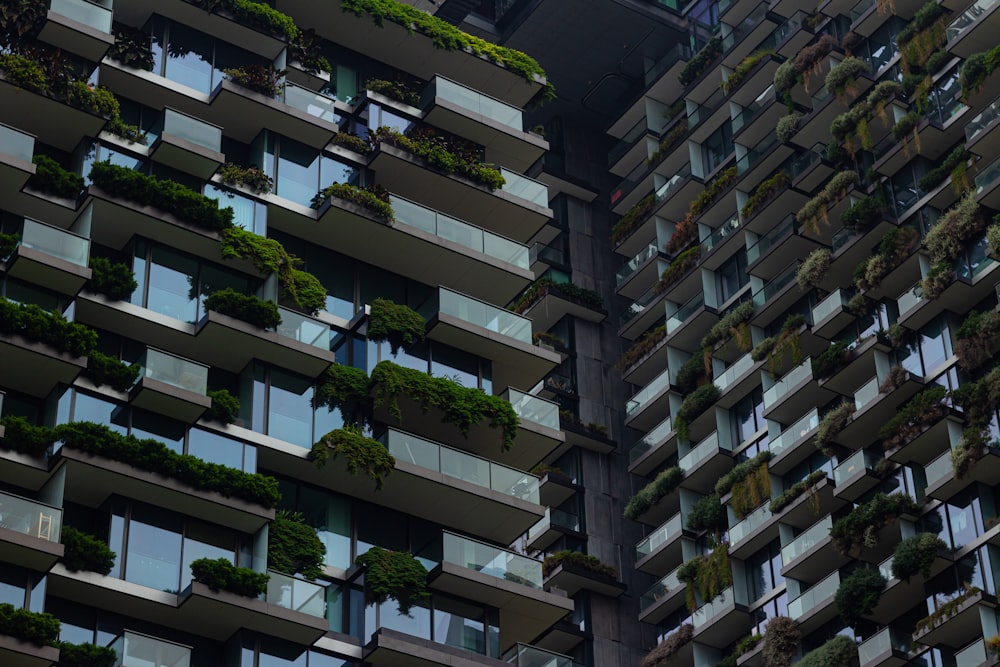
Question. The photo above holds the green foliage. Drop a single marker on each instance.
(815, 210)
(796, 490)
(592, 563)
(263, 79)
(830, 360)
(840, 651)
(700, 61)
(980, 398)
(446, 36)
(154, 456)
(732, 325)
(253, 178)
(944, 168)
(977, 339)
(264, 18)
(781, 641)
(742, 647)
(445, 155)
(922, 19)
(632, 219)
(462, 406)
(693, 405)
(858, 594)
(307, 51)
(361, 453)
(99, 100)
(36, 324)
(741, 471)
(52, 179)
(862, 215)
(915, 555)
(764, 192)
(112, 371)
(922, 410)
(946, 610)
(788, 127)
(21, 436)
(893, 249)
(740, 71)
(245, 307)
(393, 574)
(947, 239)
(394, 90)
(669, 142)
(663, 653)
(785, 77)
(708, 514)
(351, 142)
(813, 268)
(841, 79)
(132, 48)
(225, 407)
(976, 69)
(346, 388)
(28, 626)
(86, 655)
(774, 347)
(374, 199)
(399, 325)
(24, 72)
(691, 374)
(648, 496)
(639, 349)
(680, 267)
(222, 575)
(85, 552)
(8, 244)
(293, 546)
(169, 196)
(115, 280)
(860, 527)
(545, 285)
(269, 256)
(707, 576)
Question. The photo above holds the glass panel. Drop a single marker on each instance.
(660, 589)
(734, 372)
(749, 524)
(304, 329)
(662, 535)
(476, 102)
(795, 432)
(191, 129)
(779, 389)
(533, 408)
(708, 611)
(806, 540)
(296, 594)
(939, 468)
(968, 18)
(30, 517)
(97, 15)
(761, 296)
(314, 104)
(828, 306)
(16, 144)
(972, 655)
(681, 315)
(529, 656)
(491, 560)
(852, 465)
(987, 176)
(175, 371)
(656, 386)
(56, 242)
(657, 435)
(525, 188)
(700, 452)
(808, 601)
(866, 394)
(153, 557)
(770, 239)
(136, 650)
(484, 315)
(980, 122)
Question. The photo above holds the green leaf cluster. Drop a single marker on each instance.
(346, 388)
(632, 219)
(114, 280)
(25, 438)
(663, 653)
(741, 471)
(222, 575)
(351, 142)
(840, 651)
(41, 629)
(293, 546)
(225, 407)
(858, 594)
(263, 79)
(264, 18)
(648, 496)
(396, 575)
(707, 576)
(707, 514)
(700, 61)
(442, 154)
(86, 655)
(815, 210)
(394, 90)
(944, 168)
(915, 555)
(112, 371)
(52, 179)
(132, 48)
(680, 267)
(976, 69)
(375, 199)
(591, 563)
(862, 214)
(740, 71)
(977, 339)
(253, 178)
(642, 347)
(830, 360)
(545, 285)
(245, 307)
(781, 640)
(796, 490)
(269, 256)
(361, 453)
(395, 323)
(52, 329)
(694, 404)
(842, 77)
(85, 552)
(860, 527)
(764, 191)
(919, 412)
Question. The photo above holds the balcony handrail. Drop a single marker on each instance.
(517, 113)
(672, 527)
(641, 257)
(532, 572)
(652, 438)
(982, 120)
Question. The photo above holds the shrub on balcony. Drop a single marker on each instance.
(669, 142)
(765, 192)
(815, 210)
(245, 307)
(809, 58)
(976, 69)
(262, 17)
(785, 77)
(399, 325)
(700, 61)
(915, 555)
(708, 514)
(694, 404)
(307, 51)
(980, 398)
(222, 575)
(394, 90)
(169, 196)
(858, 594)
(650, 495)
(937, 280)
(108, 370)
(293, 546)
(947, 239)
(707, 576)
(442, 154)
(632, 219)
(25, 438)
(585, 297)
(361, 452)
(841, 651)
(732, 326)
(788, 127)
(24, 72)
(52, 179)
(132, 48)
(893, 249)
(680, 267)
(797, 489)
(813, 269)
(740, 71)
(781, 641)
(921, 411)
(591, 563)
(691, 374)
(462, 406)
(346, 388)
(253, 177)
(860, 527)
(85, 552)
(830, 360)
(741, 648)
(842, 79)
(946, 610)
(374, 199)
(393, 574)
(35, 324)
(8, 244)
(977, 340)
(833, 422)
(663, 654)
(969, 450)
(262, 79)
(114, 280)
(154, 456)
(642, 347)
(351, 142)
(269, 256)
(225, 407)
(774, 347)
(947, 167)
(86, 655)
(993, 646)
(862, 215)
(41, 629)
(922, 19)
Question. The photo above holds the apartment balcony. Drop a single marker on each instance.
(171, 385)
(647, 309)
(887, 648)
(138, 650)
(752, 532)
(556, 303)
(860, 362)
(502, 579)
(981, 135)
(721, 621)
(776, 296)
(572, 579)
(933, 136)
(671, 201)
(17, 653)
(855, 476)
(704, 464)
(644, 369)
(649, 403)
(943, 483)
(927, 445)
(661, 551)
(39, 115)
(422, 244)
(740, 377)
(487, 121)
(794, 444)
(960, 627)
(874, 409)
(758, 114)
(974, 29)
(975, 655)
(768, 256)
(29, 532)
(555, 524)
(587, 436)
(16, 151)
(814, 127)
(555, 487)
(987, 182)
(811, 553)
(630, 152)
(815, 606)
(82, 27)
(687, 323)
(518, 210)
(642, 270)
(658, 445)
(794, 393)
(35, 368)
(50, 256)
(831, 315)
(664, 598)
(188, 144)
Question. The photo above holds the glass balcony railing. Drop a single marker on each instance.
(138, 650)
(734, 372)
(17, 144)
(481, 314)
(704, 111)
(972, 655)
(792, 379)
(677, 53)
(866, 394)
(55, 242)
(724, 231)
(461, 465)
(674, 183)
(191, 129)
(770, 239)
(447, 228)
(667, 532)
(96, 14)
(304, 329)
(700, 452)
(885, 569)
(756, 154)
(533, 409)
(635, 263)
(523, 655)
(29, 517)
(795, 432)
(939, 468)
(987, 176)
(175, 371)
(968, 18)
(524, 187)
(813, 597)
(883, 642)
(852, 465)
(836, 300)
(749, 524)
(554, 517)
(752, 110)
(708, 612)
(659, 590)
(806, 540)
(910, 298)
(639, 306)
(651, 439)
(473, 101)
(314, 104)
(982, 121)
(296, 594)
(746, 25)
(681, 315)
(490, 560)
(761, 296)
(647, 393)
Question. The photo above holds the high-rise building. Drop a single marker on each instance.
(331, 335)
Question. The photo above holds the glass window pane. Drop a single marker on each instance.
(216, 448)
(154, 550)
(298, 172)
(172, 285)
(289, 415)
(189, 58)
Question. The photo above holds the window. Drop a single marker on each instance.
(923, 353)
(300, 171)
(281, 405)
(718, 147)
(763, 571)
(763, 614)
(264, 651)
(748, 416)
(328, 513)
(192, 58)
(731, 277)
